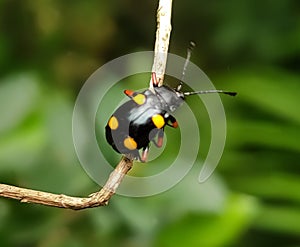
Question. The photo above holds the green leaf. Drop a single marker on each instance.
(264, 134)
(18, 97)
(211, 230)
(273, 185)
(273, 91)
(280, 219)
(19, 150)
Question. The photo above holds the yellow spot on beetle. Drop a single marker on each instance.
(139, 99)
(113, 123)
(158, 121)
(130, 143)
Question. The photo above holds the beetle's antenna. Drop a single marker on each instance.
(187, 60)
(210, 91)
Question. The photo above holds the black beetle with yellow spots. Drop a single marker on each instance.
(143, 118)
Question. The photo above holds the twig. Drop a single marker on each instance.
(102, 197)
(163, 34)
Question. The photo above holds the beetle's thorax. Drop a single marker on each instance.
(168, 98)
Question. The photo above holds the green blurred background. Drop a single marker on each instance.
(49, 48)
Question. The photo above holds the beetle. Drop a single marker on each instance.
(142, 119)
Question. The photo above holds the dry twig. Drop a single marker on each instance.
(163, 33)
(102, 197)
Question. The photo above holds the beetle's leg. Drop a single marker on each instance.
(154, 79)
(130, 93)
(173, 123)
(145, 153)
(160, 139)
(134, 155)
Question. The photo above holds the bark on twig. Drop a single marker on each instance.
(102, 197)
(163, 34)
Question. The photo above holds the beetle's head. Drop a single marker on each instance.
(170, 98)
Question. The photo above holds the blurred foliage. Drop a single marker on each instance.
(49, 48)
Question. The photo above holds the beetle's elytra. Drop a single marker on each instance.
(140, 120)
